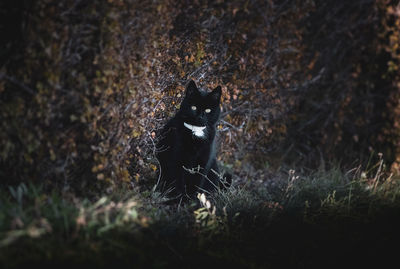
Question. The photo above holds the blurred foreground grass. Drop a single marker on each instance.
(319, 219)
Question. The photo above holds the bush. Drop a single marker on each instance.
(85, 86)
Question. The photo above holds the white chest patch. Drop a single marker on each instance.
(196, 130)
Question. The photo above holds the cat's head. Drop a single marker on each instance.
(199, 108)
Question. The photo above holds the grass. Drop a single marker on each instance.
(322, 219)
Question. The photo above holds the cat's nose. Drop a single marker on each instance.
(200, 121)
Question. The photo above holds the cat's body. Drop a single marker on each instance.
(186, 150)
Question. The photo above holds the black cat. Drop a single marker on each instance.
(186, 150)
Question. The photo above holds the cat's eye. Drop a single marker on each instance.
(194, 108)
(207, 110)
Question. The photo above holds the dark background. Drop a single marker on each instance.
(85, 85)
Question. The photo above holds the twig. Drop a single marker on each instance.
(17, 83)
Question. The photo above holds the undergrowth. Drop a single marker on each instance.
(301, 220)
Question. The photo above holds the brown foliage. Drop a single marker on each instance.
(86, 85)
(347, 107)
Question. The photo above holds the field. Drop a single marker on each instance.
(323, 219)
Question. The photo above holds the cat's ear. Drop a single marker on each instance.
(216, 94)
(191, 88)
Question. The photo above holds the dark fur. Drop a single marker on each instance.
(179, 148)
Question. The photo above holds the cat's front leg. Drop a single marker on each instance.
(211, 181)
